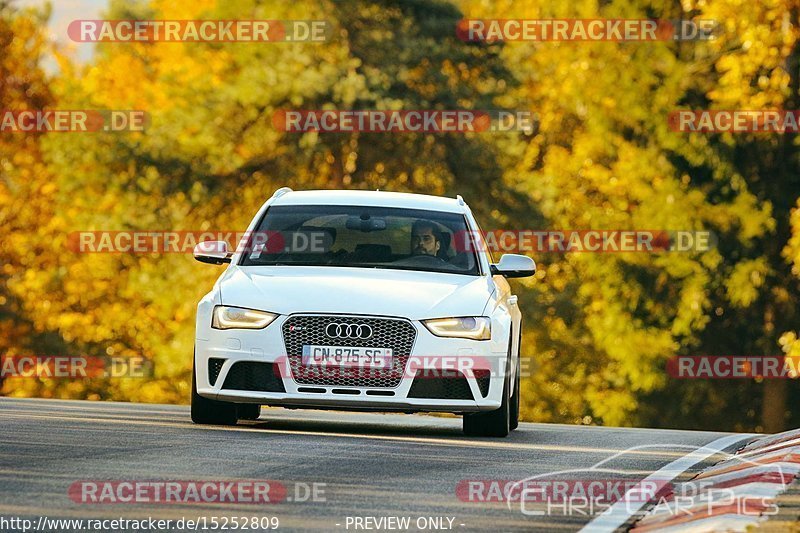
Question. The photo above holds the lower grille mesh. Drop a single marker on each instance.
(254, 376)
(443, 388)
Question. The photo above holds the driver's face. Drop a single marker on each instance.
(423, 242)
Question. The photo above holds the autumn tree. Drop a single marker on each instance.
(211, 154)
(606, 158)
(599, 328)
(26, 191)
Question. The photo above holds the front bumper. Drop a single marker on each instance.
(477, 365)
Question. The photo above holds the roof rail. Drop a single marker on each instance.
(280, 192)
(460, 200)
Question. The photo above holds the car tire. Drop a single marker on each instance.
(248, 411)
(513, 422)
(495, 423)
(514, 419)
(206, 411)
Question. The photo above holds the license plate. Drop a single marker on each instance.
(347, 356)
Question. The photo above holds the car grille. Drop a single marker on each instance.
(452, 387)
(214, 367)
(397, 334)
(254, 376)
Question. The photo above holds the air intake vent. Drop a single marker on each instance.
(483, 377)
(442, 388)
(254, 376)
(214, 367)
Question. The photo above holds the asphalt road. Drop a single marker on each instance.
(365, 465)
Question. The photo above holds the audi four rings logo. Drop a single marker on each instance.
(336, 330)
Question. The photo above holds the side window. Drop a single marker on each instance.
(480, 243)
(447, 249)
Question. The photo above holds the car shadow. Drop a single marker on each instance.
(392, 426)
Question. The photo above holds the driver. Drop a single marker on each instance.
(425, 238)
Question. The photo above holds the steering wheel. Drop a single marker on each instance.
(429, 257)
(421, 260)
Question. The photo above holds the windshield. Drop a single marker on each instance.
(358, 236)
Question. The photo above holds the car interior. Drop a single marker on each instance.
(348, 240)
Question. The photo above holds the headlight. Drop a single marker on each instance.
(237, 317)
(478, 328)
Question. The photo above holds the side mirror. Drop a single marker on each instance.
(212, 252)
(514, 266)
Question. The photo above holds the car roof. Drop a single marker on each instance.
(370, 198)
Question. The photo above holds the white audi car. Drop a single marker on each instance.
(360, 300)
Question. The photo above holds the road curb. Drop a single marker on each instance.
(742, 491)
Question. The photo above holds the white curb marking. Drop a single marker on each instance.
(619, 513)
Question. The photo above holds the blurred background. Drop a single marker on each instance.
(599, 328)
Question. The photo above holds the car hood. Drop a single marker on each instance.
(411, 294)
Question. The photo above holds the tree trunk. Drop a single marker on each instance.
(773, 410)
